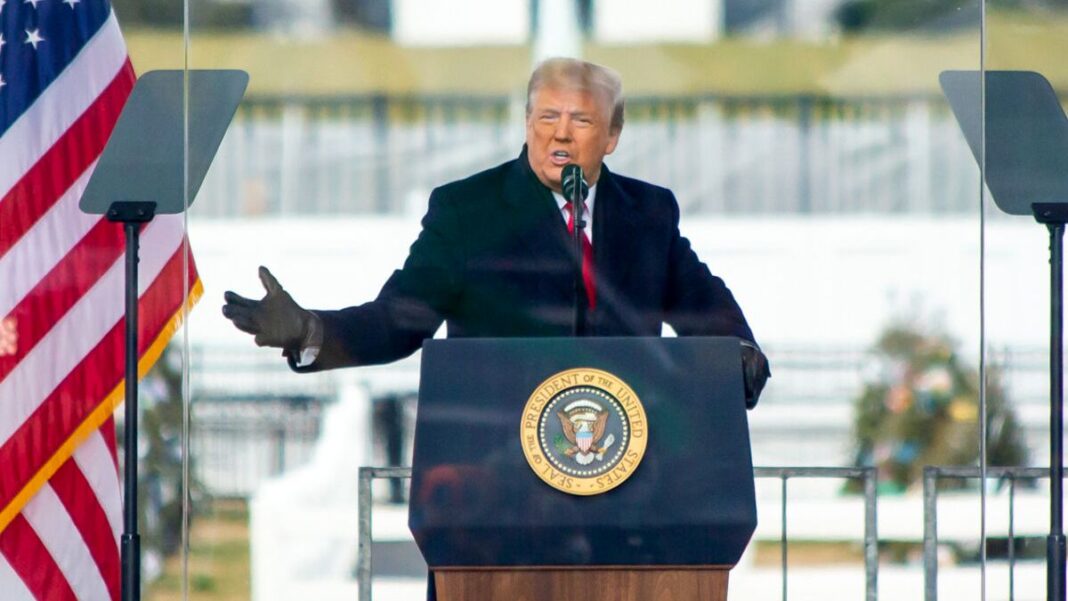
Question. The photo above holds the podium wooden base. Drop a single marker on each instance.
(589, 583)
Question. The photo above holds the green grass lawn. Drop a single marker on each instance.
(218, 558)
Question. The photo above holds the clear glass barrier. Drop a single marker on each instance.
(818, 171)
(1017, 292)
(154, 41)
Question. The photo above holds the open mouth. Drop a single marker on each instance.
(560, 158)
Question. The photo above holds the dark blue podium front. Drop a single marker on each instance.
(476, 502)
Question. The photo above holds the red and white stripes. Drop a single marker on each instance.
(65, 542)
(62, 274)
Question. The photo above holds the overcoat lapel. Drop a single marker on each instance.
(536, 222)
(541, 230)
(616, 237)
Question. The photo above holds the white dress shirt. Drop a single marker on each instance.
(561, 202)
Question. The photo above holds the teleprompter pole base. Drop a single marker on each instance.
(131, 567)
(1055, 555)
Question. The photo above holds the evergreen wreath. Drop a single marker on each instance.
(920, 406)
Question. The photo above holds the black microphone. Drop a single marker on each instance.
(572, 175)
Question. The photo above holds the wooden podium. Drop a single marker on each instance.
(492, 529)
(617, 583)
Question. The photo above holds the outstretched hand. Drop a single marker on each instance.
(275, 320)
(755, 372)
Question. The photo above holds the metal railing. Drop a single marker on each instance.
(866, 474)
(364, 503)
(931, 475)
(721, 154)
(871, 536)
(237, 442)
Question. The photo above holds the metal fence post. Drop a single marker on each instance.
(1012, 537)
(783, 539)
(279, 438)
(804, 172)
(871, 534)
(363, 547)
(930, 533)
(381, 121)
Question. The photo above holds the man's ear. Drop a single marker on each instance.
(613, 140)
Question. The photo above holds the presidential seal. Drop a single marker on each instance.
(584, 431)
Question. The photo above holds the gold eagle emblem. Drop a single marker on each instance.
(583, 423)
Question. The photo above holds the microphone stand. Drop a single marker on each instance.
(576, 195)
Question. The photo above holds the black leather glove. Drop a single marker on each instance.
(276, 320)
(755, 372)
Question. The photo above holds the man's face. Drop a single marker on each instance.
(568, 126)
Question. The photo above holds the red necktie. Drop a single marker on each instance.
(587, 257)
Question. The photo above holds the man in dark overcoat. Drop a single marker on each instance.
(495, 257)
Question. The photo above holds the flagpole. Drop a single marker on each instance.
(132, 215)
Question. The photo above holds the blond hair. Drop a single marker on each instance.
(581, 75)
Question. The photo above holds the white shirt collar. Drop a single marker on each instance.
(561, 201)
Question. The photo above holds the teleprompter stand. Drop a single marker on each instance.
(1015, 125)
(154, 163)
(1054, 216)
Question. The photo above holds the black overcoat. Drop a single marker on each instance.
(494, 260)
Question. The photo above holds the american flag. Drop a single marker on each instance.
(64, 77)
